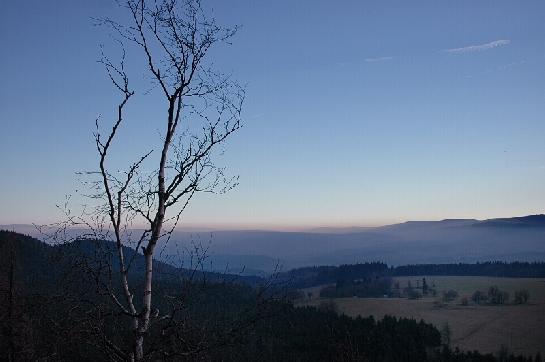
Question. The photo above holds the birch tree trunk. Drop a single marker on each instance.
(174, 38)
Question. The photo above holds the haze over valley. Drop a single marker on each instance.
(412, 242)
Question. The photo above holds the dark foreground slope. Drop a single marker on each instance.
(52, 309)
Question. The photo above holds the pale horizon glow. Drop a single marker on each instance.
(309, 227)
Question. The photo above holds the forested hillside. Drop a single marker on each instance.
(55, 307)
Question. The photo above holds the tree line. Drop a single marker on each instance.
(320, 275)
(515, 269)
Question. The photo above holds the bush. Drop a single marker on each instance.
(450, 295)
(497, 296)
(479, 297)
(464, 301)
(522, 296)
(446, 334)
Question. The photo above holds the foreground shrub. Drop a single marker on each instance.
(522, 296)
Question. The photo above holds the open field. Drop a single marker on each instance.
(482, 327)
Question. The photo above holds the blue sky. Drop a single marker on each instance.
(357, 112)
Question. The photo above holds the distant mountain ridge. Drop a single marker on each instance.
(523, 221)
(412, 242)
(520, 221)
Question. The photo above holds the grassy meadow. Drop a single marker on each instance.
(521, 328)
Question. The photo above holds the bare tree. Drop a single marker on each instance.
(201, 108)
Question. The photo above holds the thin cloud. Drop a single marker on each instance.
(478, 48)
(381, 59)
